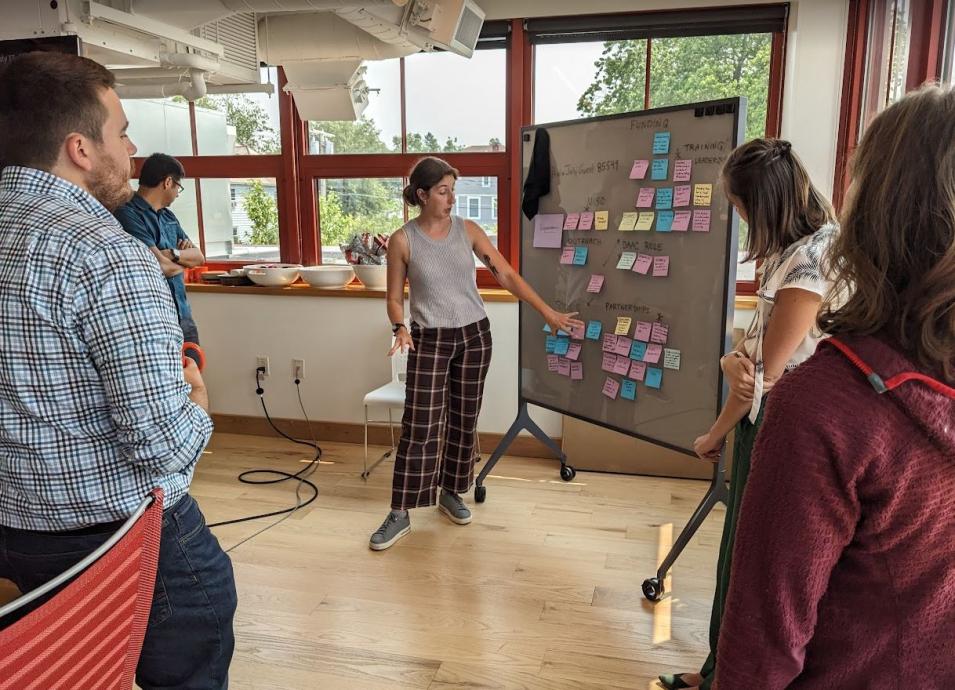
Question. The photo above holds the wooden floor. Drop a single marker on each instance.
(541, 590)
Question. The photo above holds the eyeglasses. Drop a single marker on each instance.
(181, 188)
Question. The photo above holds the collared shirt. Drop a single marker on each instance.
(94, 411)
(160, 229)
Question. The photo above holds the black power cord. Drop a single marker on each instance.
(278, 476)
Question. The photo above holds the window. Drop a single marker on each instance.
(239, 124)
(494, 208)
(353, 206)
(159, 125)
(890, 23)
(240, 219)
(485, 181)
(474, 207)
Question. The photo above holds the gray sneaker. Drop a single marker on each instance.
(452, 506)
(391, 530)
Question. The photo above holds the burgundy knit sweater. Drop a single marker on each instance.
(843, 572)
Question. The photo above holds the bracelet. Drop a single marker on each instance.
(397, 327)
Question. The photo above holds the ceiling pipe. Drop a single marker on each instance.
(191, 90)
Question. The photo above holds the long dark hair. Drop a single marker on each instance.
(896, 249)
(426, 173)
(781, 202)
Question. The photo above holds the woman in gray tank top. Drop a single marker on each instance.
(449, 345)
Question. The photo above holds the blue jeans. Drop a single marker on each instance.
(190, 334)
(189, 639)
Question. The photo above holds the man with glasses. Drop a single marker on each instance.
(147, 217)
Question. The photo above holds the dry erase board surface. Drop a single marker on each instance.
(636, 234)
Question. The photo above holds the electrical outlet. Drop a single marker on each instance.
(262, 363)
(298, 369)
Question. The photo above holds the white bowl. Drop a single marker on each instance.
(371, 276)
(273, 275)
(327, 276)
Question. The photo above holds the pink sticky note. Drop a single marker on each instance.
(570, 223)
(681, 170)
(567, 255)
(608, 361)
(611, 388)
(573, 351)
(578, 332)
(701, 220)
(645, 197)
(637, 370)
(548, 229)
(576, 371)
(596, 282)
(623, 345)
(586, 221)
(563, 367)
(643, 331)
(653, 353)
(610, 342)
(661, 266)
(552, 362)
(639, 170)
(682, 195)
(681, 221)
(660, 333)
(622, 366)
(642, 264)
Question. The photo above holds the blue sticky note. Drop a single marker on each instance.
(580, 256)
(593, 330)
(665, 221)
(638, 350)
(562, 345)
(664, 197)
(654, 378)
(551, 343)
(660, 168)
(628, 389)
(547, 330)
(661, 143)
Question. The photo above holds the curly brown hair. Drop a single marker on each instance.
(896, 251)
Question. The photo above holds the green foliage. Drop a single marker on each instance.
(263, 214)
(251, 122)
(428, 143)
(359, 136)
(338, 225)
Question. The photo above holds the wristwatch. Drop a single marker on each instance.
(396, 327)
(175, 255)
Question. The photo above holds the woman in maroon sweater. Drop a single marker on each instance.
(844, 563)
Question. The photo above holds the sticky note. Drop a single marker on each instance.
(608, 362)
(637, 370)
(609, 343)
(660, 168)
(623, 325)
(580, 256)
(562, 345)
(548, 230)
(623, 345)
(586, 221)
(551, 343)
(664, 221)
(596, 282)
(660, 333)
(573, 351)
(577, 332)
(567, 255)
(664, 197)
(628, 221)
(621, 366)
(671, 359)
(661, 143)
(626, 260)
(628, 390)
(576, 371)
(682, 169)
(653, 353)
(638, 350)
(643, 331)
(563, 367)
(645, 197)
(570, 223)
(642, 264)
(593, 330)
(639, 169)
(701, 220)
(601, 220)
(654, 377)
(547, 330)
(645, 222)
(552, 362)
(681, 221)
(661, 266)
(702, 194)
(682, 195)
(611, 388)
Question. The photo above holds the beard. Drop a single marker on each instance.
(109, 185)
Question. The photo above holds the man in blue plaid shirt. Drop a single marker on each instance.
(96, 407)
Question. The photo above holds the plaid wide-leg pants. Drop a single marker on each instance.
(443, 391)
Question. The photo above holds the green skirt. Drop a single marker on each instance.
(742, 451)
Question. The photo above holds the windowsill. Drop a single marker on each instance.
(303, 290)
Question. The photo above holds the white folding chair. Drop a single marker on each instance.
(390, 396)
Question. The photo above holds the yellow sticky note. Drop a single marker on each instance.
(623, 325)
(628, 221)
(702, 194)
(645, 221)
(601, 220)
